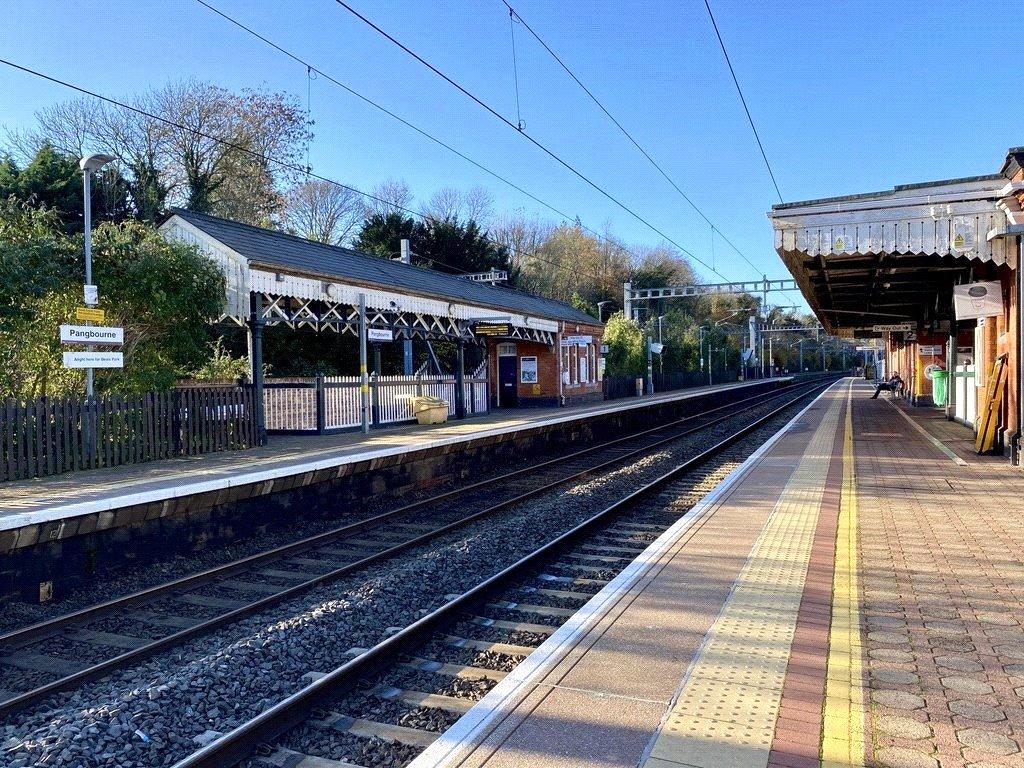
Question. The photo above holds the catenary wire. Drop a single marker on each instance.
(304, 170)
(514, 13)
(739, 90)
(316, 71)
(550, 153)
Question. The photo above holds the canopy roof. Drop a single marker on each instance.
(294, 261)
(885, 257)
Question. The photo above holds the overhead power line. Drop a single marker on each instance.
(514, 13)
(550, 153)
(746, 109)
(311, 68)
(305, 170)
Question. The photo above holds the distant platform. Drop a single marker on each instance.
(851, 595)
(57, 507)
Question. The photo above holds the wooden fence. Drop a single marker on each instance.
(49, 436)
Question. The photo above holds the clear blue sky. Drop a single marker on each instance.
(848, 97)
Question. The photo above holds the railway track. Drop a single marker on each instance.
(59, 654)
(388, 702)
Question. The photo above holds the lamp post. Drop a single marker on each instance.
(89, 165)
(600, 308)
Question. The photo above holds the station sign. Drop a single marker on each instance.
(492, 329)
(93, 360)
(90, 315)
(895, 327)
(91, 334)
(380, 334)
(577, 341)
(604, 349)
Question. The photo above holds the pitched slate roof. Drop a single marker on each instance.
(280, 251)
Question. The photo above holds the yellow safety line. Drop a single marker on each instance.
(845, 710)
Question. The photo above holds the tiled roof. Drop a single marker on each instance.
(277, 250)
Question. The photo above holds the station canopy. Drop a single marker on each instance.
(885, 257)
(300, 283)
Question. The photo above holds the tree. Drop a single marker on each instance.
(625, 340)
(450, 203)
(197, 145)
(447, 245)
(53, 180)
(451, 246)
(391, 196)
(322, 211)
(163, 294)
(382, 235)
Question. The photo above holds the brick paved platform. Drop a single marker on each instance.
(851, 595)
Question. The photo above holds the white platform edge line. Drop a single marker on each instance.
(17, 519)
(484, 713)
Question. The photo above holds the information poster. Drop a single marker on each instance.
(528, 370)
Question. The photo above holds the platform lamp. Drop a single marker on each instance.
(600, 308)
(89, 165)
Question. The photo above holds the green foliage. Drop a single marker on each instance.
(163, 294)
(382, 235)
(52, 180)
(446, 245)
(625, 340)
(221, 365)
(578, 302)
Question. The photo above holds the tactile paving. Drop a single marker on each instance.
(725, 710)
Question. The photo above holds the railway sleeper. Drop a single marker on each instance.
(509, 649)
(451, 704)
(513, 626)
(287, 758)
(371, 729)
(541, 610)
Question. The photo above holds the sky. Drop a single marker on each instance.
(847, 97)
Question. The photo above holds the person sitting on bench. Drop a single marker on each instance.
(894, 384)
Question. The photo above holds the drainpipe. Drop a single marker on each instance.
(558, 355)
(1020, 349)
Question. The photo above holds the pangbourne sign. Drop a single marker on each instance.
(91, 334)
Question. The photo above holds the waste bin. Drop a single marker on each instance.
(430, 410)
(939, 381)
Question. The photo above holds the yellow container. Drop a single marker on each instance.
(430, 410)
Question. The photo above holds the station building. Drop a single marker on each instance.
(535, 350)
(934, 270)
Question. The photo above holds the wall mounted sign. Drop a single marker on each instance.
(894, 327)
(577, 341)
(975, 300)
(492, 329)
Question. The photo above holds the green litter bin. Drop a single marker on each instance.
(939, 381)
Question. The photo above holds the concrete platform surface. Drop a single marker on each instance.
(80, 493)
(851, 595)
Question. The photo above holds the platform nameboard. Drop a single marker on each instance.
(380, 334)
(93, 360)
(492, 329)
(91, 334)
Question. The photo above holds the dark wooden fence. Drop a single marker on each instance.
(48, 436)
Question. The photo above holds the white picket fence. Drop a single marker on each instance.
(292, 405)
